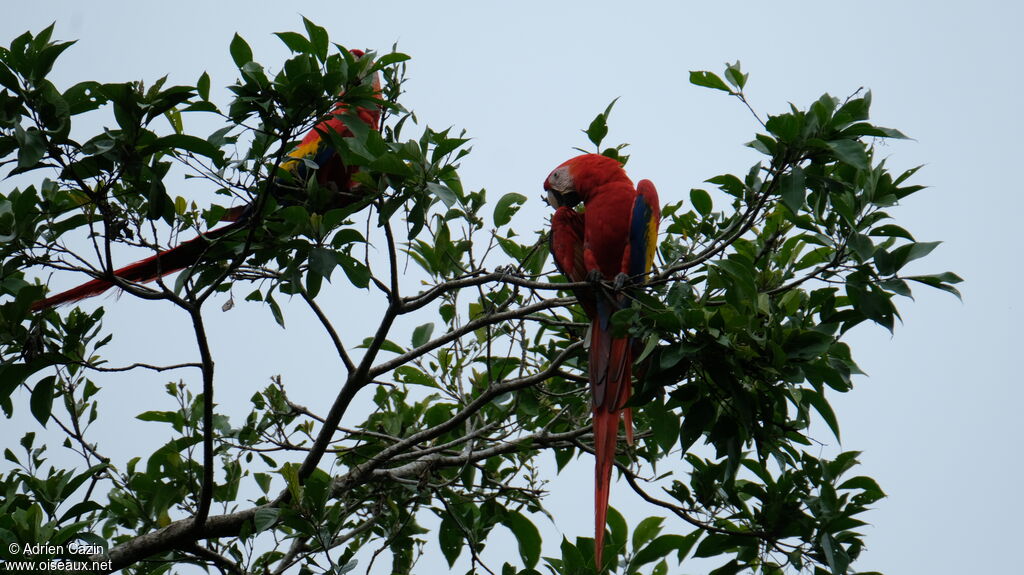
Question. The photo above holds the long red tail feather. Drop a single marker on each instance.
(142, 271)
(611, 379)
(606, 429)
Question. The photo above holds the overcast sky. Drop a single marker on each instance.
(938, 418)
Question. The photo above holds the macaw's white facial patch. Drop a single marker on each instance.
(559, 180)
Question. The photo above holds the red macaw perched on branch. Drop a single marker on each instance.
(331, 173)
(613, 239)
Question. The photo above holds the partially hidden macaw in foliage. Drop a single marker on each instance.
(613, 239)
(331, 173)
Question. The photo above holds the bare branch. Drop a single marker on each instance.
(359, 473)
(470, 327)
(206, 492)
(542, 438)
(331, 332)
(94, 367)
(221, 562)
(740, 226)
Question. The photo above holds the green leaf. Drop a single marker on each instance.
(862, 246)
(662, 545)
(31, 147)
(836, 558)
(84, 97)
(701, 201)
(318, 38)
(45, 59)
(822, 406)
(892, 230)
(264, 481)
(715, 544)
(41, 402)
(786, 127)
(735, 76)
(444, 193)
(874, 303)
(450, 540)
(275, 309)
(708, 80)
(665, 429)
(597, 130)
(421, 334)
(391, 164)
(203, 86)
(731, 568)
(617, 530)
(413, 376)
(8, 79)
(850, 152)
(563, 457)
(322, 261)
(905, 254)
(241, 53)
(729, 184)
(81, 508)
(527, 535)
(646, 530)
(866, 129)
(14, 374)
(506, 207)
(265, 518)
(54, 112)
(941, 281)
(189, 144)
(296, 42)
(864, 483)
(793, 188)
(356, 270)
(387, 345)
(806, 345)
(160, 416)
(392, 58)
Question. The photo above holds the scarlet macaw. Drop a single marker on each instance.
(613, 239)
(331, 173)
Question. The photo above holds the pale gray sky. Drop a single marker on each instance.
(938, 418)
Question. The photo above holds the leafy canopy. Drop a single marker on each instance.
(759, 277)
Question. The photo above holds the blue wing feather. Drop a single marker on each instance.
(643, 229)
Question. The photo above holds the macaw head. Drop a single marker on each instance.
(577, 179)
(357, 54)
(371, 115)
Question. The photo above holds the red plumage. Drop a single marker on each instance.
(611, 240)
(147, 270)
(332, 173)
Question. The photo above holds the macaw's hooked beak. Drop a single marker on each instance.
(561, 188)
(558, 199)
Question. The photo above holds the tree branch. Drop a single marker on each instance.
(331, 332)
(416, 468)
(206, 492)
(468, 328)
(176, 536)
(746, 221)
(362, 472)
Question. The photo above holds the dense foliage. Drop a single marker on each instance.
(741, 328)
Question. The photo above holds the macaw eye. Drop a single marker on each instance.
(559, 179)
